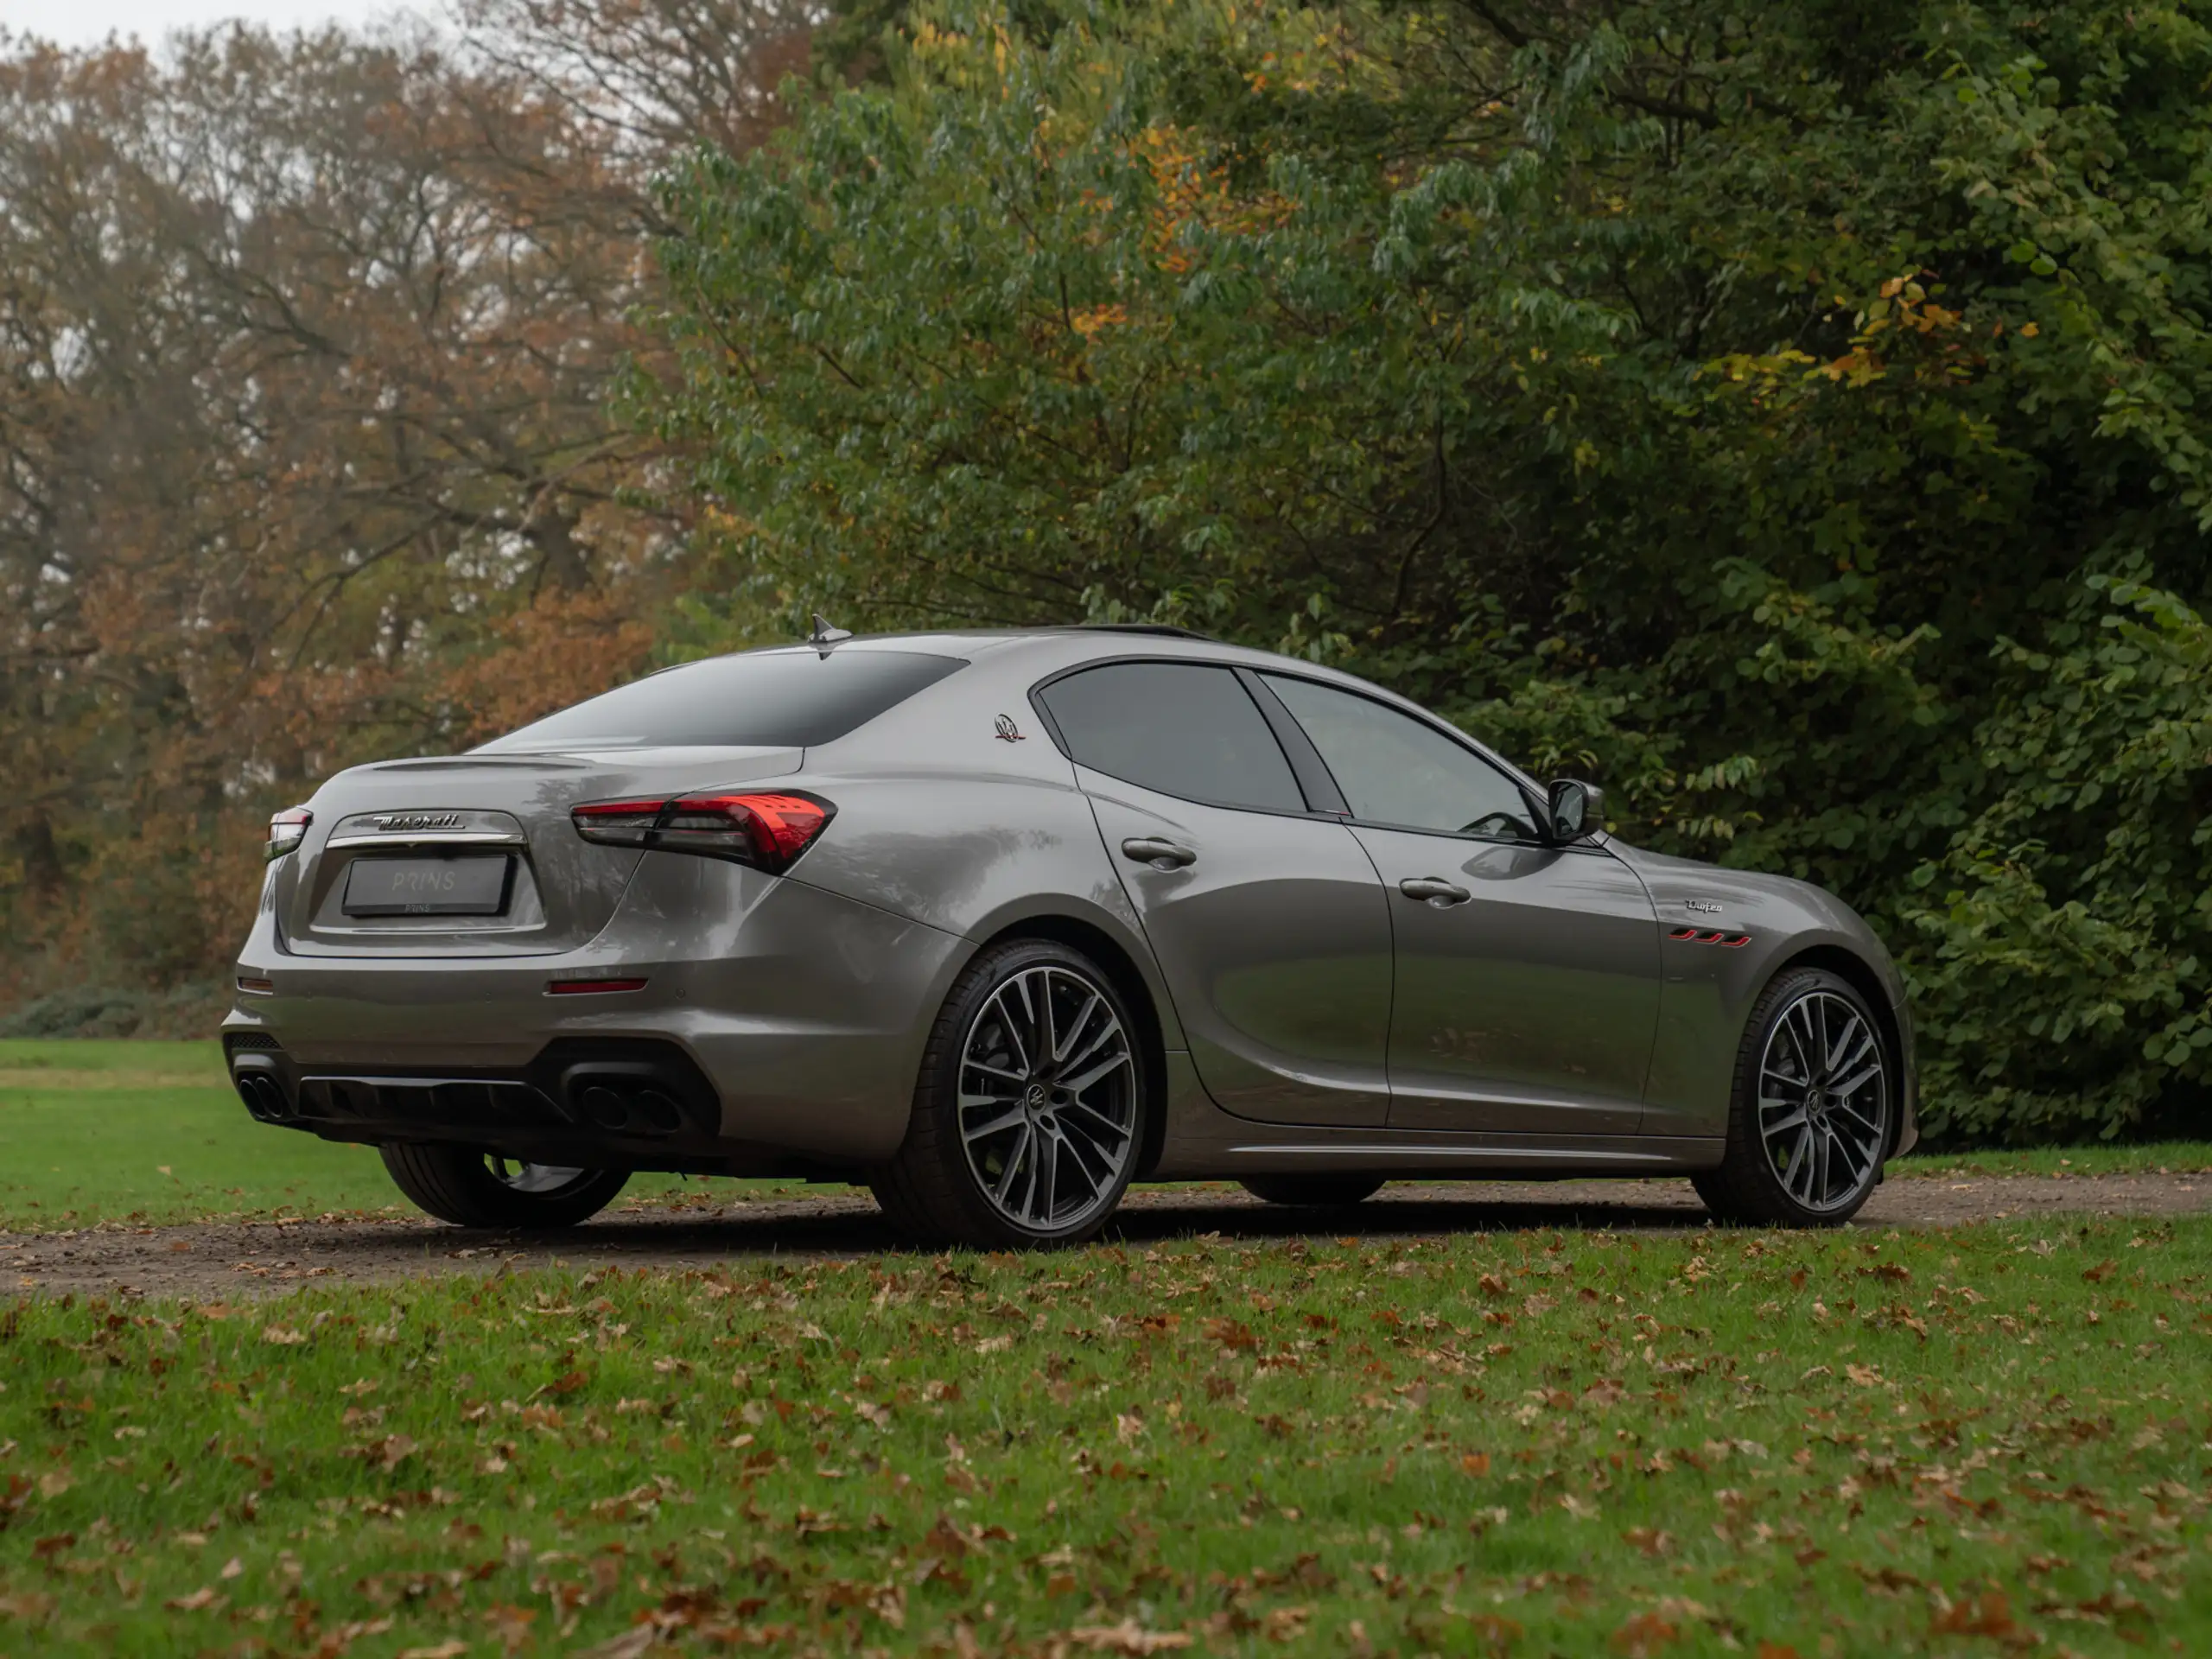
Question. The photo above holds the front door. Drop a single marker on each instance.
(1528, 986)
(1268, 924)
(1528, 974)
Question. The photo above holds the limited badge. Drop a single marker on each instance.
(1007, 731)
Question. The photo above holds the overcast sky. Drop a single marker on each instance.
(84, 22)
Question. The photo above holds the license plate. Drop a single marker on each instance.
(465, 885)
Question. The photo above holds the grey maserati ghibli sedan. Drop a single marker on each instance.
(998, 923)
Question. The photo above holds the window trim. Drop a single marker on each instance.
(1237, 672)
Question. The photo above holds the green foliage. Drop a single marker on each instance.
(1795, 422)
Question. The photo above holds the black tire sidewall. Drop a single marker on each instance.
(1745, 1186)
(1316, 1191)
(453, 1184)
(945, 1191)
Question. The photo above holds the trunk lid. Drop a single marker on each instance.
(446, 813)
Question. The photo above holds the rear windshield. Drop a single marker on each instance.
(773, 699)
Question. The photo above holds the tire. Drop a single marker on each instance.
(1806, 1152)
(475, 1189)
(1316, 1191)
(1055, 1117)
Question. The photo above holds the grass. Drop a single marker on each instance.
(1955, 1443)
(95, 1131)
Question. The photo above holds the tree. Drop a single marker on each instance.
(1795, 418)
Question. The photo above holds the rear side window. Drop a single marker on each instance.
(773, 699)
(1394, 770)
(1181, 728)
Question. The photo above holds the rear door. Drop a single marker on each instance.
(1527, 974)
(1270, 927)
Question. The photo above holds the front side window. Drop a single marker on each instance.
(1182, 729)
(1394, 770)
(771, 699)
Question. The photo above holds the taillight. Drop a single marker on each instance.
(287, 830)
(766, 831)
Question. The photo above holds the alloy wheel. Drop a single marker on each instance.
(1047, 1099)
(1823, 1101)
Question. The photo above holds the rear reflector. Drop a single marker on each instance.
(250, 983)
(767, 831)
(591, 986)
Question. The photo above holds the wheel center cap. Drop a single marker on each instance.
(1034, 1096)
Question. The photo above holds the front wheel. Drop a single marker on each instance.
(481, 1189)
(1810, 1114)
(1030, 1111)
(1314, 1191)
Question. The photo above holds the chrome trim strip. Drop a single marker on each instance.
(1540, 1154)
(430, 838)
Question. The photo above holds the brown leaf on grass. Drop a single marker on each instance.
(30, 1605)
(1644, 1634)
(1777, 1650)
(566, 1382)
(446, 1649)
(2097, 1274)
(281, 1335)
(1475, 1464)
(390, 1451)
(1494, 1285)
(54, 1483)
(511, 1624)
(1866, 1376)
(1649, 1540)
(204, 1597)
(1128, 1637)
(1987, 1614)
(944, 1540)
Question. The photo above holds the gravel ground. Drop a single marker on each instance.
(242, 1259)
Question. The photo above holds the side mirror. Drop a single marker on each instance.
(1578, 809)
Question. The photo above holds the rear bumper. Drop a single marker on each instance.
(776, 1022)
(598, 1103)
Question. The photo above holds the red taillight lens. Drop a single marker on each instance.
(287, 830)
(763, 830)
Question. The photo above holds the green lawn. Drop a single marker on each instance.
(1970, 1442)
(98, 1130)
(112, 1130)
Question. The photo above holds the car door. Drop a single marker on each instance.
(1528, 974)
(1271, 928)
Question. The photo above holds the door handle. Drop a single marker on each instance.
(1439, 894)
(1160, 855)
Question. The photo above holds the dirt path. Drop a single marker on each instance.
(234, 1259)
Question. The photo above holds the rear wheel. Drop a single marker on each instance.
(1316, 1191)
(1030, 1110)
(1810, 1116)
(481, 1189)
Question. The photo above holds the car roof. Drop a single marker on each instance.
(1054, 650)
